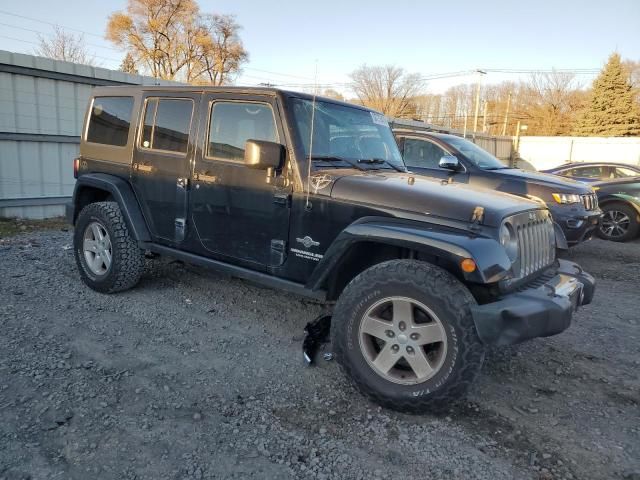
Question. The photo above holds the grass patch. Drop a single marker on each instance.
(15, 226)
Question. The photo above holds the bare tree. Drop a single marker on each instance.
(64, 46)
(154, 31)
(173, 41)
(128, 65)
(387, 89)
(221, 53)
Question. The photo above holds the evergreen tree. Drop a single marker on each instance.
(612, 110)
(128, 65)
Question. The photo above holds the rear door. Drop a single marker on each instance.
(238, 214)
(162, 155)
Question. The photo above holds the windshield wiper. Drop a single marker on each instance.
(331, 159)
(381, 161)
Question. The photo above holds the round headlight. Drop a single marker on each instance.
(509, 241)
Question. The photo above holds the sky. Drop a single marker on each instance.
(289, 41)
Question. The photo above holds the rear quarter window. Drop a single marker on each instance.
(110, 120)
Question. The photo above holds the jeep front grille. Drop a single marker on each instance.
(590, 201)
(536, 242)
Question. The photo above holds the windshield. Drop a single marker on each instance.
(345, 132)
(481, 158)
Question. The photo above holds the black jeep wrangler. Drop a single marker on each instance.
(310, 195)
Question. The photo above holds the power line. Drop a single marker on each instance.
(49, 23)
(36, 43)
(41, 33)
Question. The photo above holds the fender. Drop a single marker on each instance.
(454, 245)
(122, 193)
(621, 197)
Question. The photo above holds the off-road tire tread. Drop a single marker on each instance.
(634, 226)
(457, 299)
(128, 258)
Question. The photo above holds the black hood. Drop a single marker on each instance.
(432, 197)
(557, 183)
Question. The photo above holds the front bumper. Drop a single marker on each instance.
(576, 226)
(535, 312)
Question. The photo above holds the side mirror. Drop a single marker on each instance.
(263, 155)
(450, 162)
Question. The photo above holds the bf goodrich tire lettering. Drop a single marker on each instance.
(447, 332)
(102, 231)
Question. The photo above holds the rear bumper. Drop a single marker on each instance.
(536, 312)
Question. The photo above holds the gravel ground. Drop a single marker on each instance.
(193, 375)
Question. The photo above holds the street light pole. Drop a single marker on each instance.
(475, 116)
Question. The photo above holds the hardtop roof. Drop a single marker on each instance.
(272, 91)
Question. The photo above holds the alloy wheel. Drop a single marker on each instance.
(403, 340)
(97, 248)
(614, 223)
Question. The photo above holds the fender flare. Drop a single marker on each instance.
(454, 245)
(621, 197)
(123, 194)
(561, 240)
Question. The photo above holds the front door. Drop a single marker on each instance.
(161, 163)
(237, 212)
(423, 156)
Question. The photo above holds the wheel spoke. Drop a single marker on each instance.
(96, 263)
(97, 233)
(419, 363)
(106, 257)
(386, 359)
(428, 333)
(402, 312)
(375, 327)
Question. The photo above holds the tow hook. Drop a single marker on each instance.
(316, 333)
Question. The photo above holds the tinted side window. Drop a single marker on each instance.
(621, 172)
(110, 120)
(422, 154)
(233, 123)
(166, 124)
(586, 172)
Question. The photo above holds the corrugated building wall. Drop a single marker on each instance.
(42, 104)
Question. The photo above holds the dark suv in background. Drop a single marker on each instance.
(573, 205)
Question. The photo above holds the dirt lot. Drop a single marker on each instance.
(194, 375)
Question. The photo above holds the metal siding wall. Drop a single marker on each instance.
(31, 104)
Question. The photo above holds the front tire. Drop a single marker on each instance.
(402, 331)
(108, 258)
(619, 222)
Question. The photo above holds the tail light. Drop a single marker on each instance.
(76, 167)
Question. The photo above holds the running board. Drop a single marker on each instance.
(236, 271)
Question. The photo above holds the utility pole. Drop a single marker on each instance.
(516, 146)
(464, 132)
(475, 116)
(484, 117)
(506, 116)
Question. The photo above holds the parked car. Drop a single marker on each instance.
(620, 204)
(310, 195)
(595, 172)
(573, 204)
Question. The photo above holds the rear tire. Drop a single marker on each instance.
(108, 258)
(402, 331)
(619, 222)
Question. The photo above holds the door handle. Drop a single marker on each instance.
(182, 182)
(143, 167)
(206, 177)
